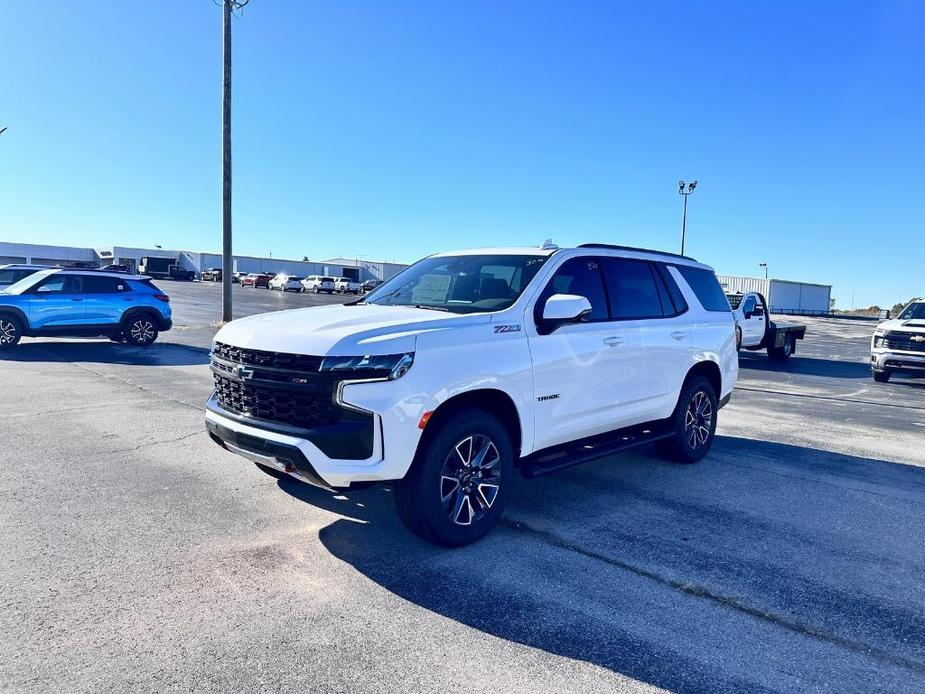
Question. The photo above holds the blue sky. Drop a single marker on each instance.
(394, 129)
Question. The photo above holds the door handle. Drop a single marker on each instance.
(77, 298)
(678, 335)
(613, 341)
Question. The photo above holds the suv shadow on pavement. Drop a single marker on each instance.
(105, 352)
(766, 567)
(806, 366)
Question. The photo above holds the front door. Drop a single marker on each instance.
(580, 374)
(752, 325)
(57, 302)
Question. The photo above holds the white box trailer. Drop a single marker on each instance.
(784, 296)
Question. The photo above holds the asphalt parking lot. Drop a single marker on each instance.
(139, 556)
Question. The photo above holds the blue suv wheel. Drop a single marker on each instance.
(10, 331)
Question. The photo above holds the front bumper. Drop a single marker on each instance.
(294, 454)
(882, 360)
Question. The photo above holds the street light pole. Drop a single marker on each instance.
(765, 266)
(684, 191)
(228, 8)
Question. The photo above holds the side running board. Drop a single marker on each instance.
(585, 450)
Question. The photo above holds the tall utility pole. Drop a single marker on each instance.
(765, 266)
(685, 192)
(228, 9)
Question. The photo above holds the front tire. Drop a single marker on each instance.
(141, 331)
(693, 423)
(459, 482)
(10, 332)
(882, 376)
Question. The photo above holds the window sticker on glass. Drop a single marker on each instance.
(431, 289)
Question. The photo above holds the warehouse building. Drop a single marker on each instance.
(783, 296)
(130, 257)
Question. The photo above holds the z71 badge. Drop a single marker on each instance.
(507, 329)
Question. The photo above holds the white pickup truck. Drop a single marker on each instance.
(755, 330)
(899, 344)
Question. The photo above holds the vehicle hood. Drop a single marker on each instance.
(341, 330)
(916, 325)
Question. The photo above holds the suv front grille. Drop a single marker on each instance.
(302, 408)
(904, 341)
(277, 387)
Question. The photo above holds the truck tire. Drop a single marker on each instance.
(693, 423)
(10, 331)
(459, 482)
(879, 376)
(783, 352)
(140, 330)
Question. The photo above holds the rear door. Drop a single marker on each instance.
(658, 345)
(106, 299)
(57, 302)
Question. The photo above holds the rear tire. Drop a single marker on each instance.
(693, 423)
(141, 330)
(10, 331)
(882, 376)
(459, 482)
(783, 352)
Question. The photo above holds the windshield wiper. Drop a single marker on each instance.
(432, 307)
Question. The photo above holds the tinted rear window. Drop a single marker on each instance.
(706, 287)
(631, 288)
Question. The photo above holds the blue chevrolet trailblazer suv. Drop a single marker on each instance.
(126, 308)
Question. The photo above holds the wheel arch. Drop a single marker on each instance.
(140, 311)
(709, 370)
(492, 400)
(18, 314)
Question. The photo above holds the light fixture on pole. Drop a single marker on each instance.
(684, 191)
(765, 266)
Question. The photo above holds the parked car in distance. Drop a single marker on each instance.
(755, 330)
(345, 285)
(213, 274)
(238, 276)
(899, 344)
(471, 364)
(286, 283)
(256, 279)
(369, 285)
(11, 274)
(319, 283)
(74, 303)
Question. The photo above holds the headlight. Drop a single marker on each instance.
(390, 366)
(878, 339)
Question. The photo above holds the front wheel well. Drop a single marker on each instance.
(494, 401)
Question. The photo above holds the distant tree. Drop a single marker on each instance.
(832, 304)
(304, 258)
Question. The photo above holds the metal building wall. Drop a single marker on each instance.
(732, 284)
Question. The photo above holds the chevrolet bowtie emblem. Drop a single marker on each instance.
(918, 338)
(244, 373)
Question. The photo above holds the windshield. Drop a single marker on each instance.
(734, 300)
(913, 312)
(26, 282)
(461, 283)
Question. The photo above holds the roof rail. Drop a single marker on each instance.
(614, 247)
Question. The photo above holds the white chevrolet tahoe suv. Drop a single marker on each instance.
(899, 344)
(469, 365)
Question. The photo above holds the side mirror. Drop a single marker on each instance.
(562, 309)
